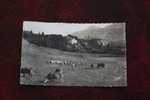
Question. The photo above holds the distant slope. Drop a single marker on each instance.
(114, 32)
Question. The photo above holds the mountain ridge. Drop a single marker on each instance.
(112, 32)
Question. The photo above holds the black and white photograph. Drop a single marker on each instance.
(73, 54)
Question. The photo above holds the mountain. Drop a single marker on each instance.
(113, 32)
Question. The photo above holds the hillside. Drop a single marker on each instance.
(74, 44)
(36, 57)
(114, 32)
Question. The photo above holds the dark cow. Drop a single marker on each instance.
(26, 71)
(100, 65)
(92, 65)
(52, 76)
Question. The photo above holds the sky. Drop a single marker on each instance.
(59, 28)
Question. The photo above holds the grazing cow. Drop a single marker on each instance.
(55, 62)
(100, 65)
(92, 65)
(66, 62)
(52, 76)
(26, 71)
(73, 66)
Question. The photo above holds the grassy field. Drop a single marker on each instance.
(113, 74)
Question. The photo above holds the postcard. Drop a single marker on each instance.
(73, 54)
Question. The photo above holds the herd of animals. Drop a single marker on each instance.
(57, 74)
